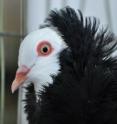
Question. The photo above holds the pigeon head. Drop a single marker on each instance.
(38, 57)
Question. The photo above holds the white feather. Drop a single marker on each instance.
(43, 67)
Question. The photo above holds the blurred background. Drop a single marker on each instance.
(19, 17)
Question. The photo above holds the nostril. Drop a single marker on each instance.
(22, 70)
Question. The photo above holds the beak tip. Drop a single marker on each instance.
(19, 80)
(12, 92)
(12, 89)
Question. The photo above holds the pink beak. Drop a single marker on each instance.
(21, 76)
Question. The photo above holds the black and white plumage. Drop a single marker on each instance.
(83, 87)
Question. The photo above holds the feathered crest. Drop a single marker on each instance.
(82, 35)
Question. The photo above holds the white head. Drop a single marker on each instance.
(38, 58)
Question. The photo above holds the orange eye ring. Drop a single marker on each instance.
(44, 48)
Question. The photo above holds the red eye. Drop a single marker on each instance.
(44, 48)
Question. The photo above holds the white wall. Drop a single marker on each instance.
(37, 10)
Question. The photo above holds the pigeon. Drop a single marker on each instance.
(70, 67)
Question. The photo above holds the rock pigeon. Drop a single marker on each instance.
(71, 66)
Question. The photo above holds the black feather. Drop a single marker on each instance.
(85, 92)
(31, 105)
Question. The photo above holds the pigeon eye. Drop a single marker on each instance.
(44, 48)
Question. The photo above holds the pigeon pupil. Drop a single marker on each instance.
(45, 49)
